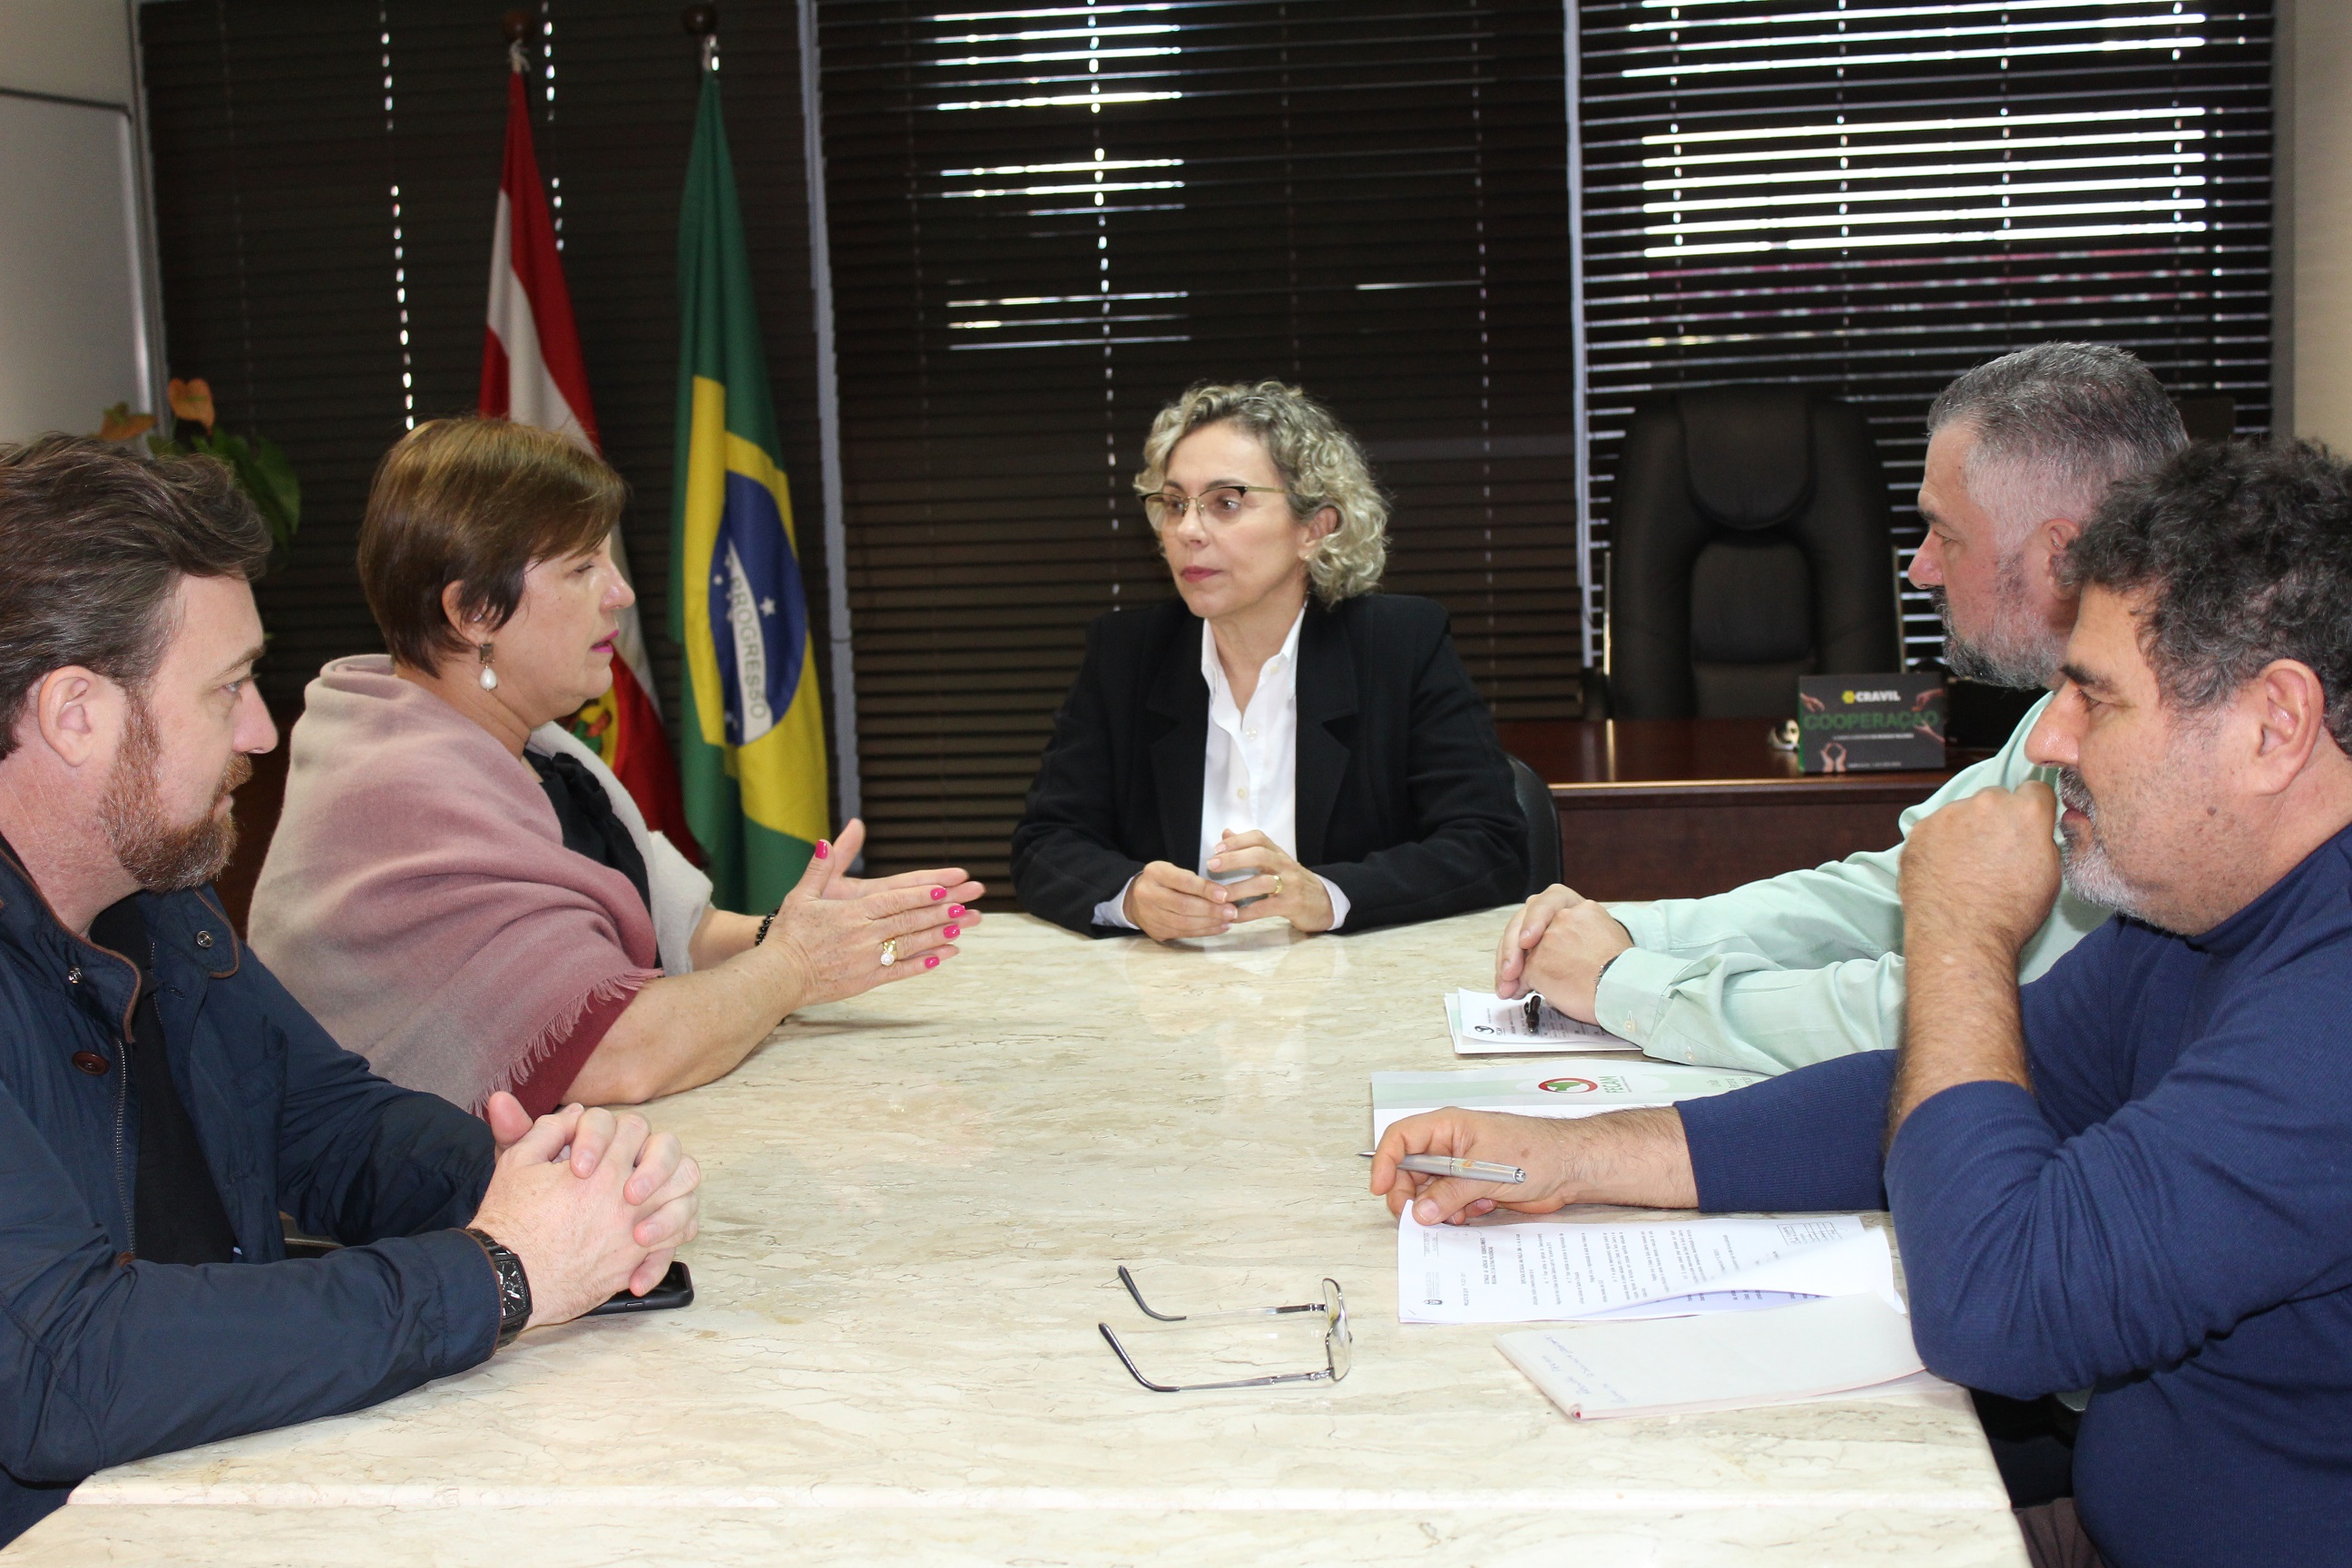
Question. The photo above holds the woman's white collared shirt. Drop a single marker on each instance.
(1249, 776)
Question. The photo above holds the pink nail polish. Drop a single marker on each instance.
(824, 850)
(954, 910)
(931, 960)
(938, 893)
(953, 932)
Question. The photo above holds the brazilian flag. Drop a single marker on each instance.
(751, 741)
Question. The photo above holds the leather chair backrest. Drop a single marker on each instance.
(1750, 540)
(1542, 818)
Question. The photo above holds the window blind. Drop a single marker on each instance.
(326, 180)
(1870, 198)
(1048, 219)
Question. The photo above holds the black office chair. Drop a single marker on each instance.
(1542, 818)
(1750, 541)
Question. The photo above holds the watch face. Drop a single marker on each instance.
(514, 1285)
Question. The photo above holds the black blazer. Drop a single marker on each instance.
(1405, 795)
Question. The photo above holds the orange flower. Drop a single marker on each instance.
(119, 424)
(192, 400)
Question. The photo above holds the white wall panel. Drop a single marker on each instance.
(73, 335)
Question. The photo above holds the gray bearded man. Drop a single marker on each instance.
(1810, 965)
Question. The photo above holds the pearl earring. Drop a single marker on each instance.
(490, 677)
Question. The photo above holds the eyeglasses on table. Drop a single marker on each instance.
(1337, 1344)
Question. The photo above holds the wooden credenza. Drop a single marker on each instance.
(1667, 808)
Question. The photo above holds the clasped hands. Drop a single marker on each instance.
(592, 1203)
(1166, 902)
(1558, 943)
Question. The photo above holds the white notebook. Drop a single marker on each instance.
(1556, 1086)
(1838, 1347)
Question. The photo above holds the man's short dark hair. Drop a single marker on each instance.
(474, 502)
(2244, 553)
(93, 543)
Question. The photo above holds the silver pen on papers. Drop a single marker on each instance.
(1447, 1166)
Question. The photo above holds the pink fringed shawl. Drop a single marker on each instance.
(418, 898)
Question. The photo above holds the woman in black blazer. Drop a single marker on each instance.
(1280, 740)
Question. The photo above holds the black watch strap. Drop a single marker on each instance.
(514, 1285)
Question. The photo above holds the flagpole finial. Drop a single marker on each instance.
(703, 21)
(516, 25)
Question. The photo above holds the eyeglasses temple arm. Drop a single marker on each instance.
(1129, 1280)
(1128, 1361)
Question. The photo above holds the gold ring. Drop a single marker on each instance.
(1277, 886)
(889, 952)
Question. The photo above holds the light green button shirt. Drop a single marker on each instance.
(1804, 966)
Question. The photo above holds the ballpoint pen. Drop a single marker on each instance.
(1446, 1165)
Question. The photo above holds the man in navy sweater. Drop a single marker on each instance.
(2135, 1174)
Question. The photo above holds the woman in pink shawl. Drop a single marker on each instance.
(459, 889)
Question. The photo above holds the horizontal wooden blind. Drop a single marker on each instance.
(1047, 220)
(274, 220)
(1870, 198)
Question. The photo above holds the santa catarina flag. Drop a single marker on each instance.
(532, 374)
(751, 745)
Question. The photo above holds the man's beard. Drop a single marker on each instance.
(164, 856)
(2089, 871)
(2011, 653)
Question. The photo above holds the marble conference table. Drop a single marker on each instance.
(915, 1205)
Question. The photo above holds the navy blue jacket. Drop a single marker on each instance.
(105, 1358)
(2166, 1218)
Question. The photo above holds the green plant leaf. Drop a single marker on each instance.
(261, 470)
(274, 475)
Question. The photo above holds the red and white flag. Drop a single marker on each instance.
(533, 374)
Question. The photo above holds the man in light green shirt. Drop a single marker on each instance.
(1808, 965)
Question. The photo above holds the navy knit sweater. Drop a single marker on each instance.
(2166, 1218)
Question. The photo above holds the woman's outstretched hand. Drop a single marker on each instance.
(835, 936)
(840, 884)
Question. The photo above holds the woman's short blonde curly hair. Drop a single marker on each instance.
(1320, 466)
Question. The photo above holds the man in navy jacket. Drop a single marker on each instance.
(163, 1099)
(2135, 1175)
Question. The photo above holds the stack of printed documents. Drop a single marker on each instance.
(1515, 1268)
(1673, 1316)
(1559, 1087)
(1488, 1026)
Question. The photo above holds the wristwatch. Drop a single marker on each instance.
(514, 1287)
